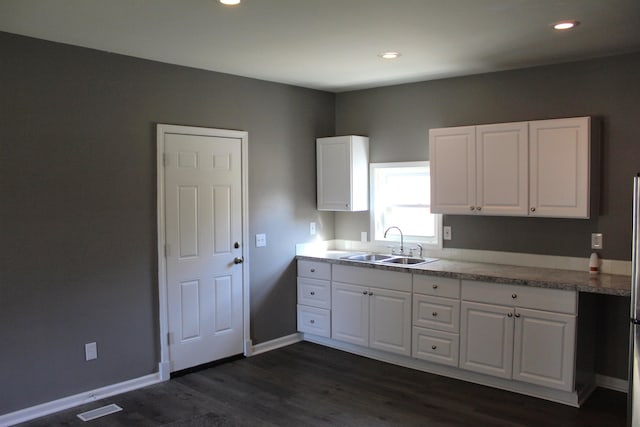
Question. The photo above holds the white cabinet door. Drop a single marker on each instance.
(452, 157)
(559, 153)
(486, 339)
(342, 173)
(502, 172)
(390, 321)
(544, 348)
(350, 313)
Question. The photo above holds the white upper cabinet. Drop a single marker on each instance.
(559, 159)
(343, 173)
(479, 169)
(537, 168)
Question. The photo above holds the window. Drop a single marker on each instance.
(401, 197)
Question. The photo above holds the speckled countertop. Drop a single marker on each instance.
(609, 284)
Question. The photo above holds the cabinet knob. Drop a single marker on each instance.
(364, 292)
(312, 321)
(435, 286)
(517, 314)
(533, 209)
(312, 293)
(479, 208)
(434, 314)
(433, 347)
(514, 296)
(509, 314)
(370, 293)
(472, 208)
(313, 270)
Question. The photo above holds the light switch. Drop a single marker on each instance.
(312, 228)
(446, 232)
(91, 351)
(261, 240)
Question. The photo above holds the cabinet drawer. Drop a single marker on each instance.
(392, 280)
(436, 313)
(520, 296)
(313, 320)
(314, 269)
(436, 286)
(314, 292)
(436, 346)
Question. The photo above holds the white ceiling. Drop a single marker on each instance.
(333, 44)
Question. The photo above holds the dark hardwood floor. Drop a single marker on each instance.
(311, 385)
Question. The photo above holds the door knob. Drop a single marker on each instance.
(238, 260)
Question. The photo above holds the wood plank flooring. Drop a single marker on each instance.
(310, 385)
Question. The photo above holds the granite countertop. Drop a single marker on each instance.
(609, 284)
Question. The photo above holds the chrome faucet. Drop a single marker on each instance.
(401, 238)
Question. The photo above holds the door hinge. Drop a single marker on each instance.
(165, 159)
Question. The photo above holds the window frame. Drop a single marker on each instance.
(435, 242)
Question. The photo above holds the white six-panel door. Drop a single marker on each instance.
(204, 247)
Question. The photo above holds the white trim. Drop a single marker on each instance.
(78, 399)
(162, 129)
(612, 383)
(277, 343)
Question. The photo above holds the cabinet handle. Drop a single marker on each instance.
(514, 296)
(433, 347)
(313, 270)
(370, 293)
(533, 209)
(509, 314)
(312, 321)
(435, 286)
(472, 208)
(312, 293)
(434, 314)
(517, 314)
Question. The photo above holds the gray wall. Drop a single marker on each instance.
(397, 120)
(78, 206)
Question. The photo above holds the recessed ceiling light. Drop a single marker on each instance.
(230, 2)
(565, 25)
(389, 55)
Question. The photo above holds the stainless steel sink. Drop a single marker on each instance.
(367, 257)
(404, 260)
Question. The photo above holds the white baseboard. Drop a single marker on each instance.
(47, 408)
(612, 383)
(263, 347)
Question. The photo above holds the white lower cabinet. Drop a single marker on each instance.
(314, 298)
(510, 341)
(372, 316)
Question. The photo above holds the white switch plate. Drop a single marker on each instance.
(261, 240)
(91, 351)
(363, 236)
(312, 228)
(446, 232)
(596, 241)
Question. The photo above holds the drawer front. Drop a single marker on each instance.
(442, 314)
(520, 296)
(392, 280)
(313, 320)
(436, 286)
(436, 346)
(314, 269)
(314, 292)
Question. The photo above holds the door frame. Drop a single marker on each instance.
(164, 367)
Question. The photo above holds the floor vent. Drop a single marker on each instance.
(99, 412)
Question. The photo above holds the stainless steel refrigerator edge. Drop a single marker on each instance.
(633, 405)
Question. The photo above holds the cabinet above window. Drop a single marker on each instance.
(537, 168)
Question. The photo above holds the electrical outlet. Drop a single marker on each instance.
(91, 351)
(363, 236)
(446, 232)
(261, 240)
(312, 228)
(596, 241)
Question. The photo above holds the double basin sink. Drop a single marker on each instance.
(388, 259)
